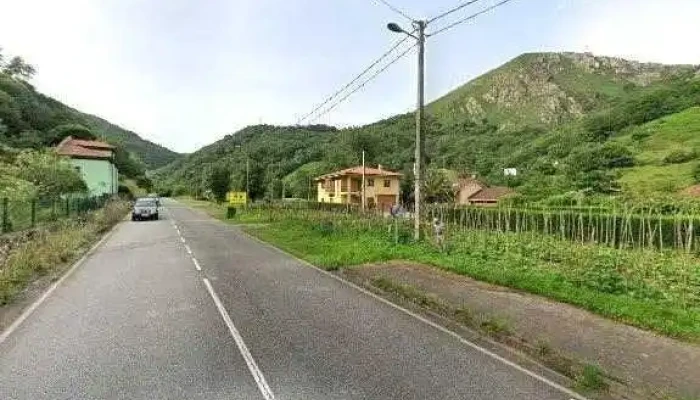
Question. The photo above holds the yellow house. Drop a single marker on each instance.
(382, 187)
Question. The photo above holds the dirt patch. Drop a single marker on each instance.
(562, 336)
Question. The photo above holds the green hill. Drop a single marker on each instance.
(560, 119)
(666, 151)
(28, 118)
(549, 88)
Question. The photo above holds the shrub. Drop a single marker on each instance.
(125, 192)
(679, 156)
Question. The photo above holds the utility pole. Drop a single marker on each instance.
(420, 26)
(364, 198)
(419, 31)
(247, 179)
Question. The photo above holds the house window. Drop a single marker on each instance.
(387, 183)
(370, 182)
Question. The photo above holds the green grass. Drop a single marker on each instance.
(655, 140)
(659, 291)
(591, 379)
(648, 179)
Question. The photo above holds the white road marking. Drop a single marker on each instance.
(53, 287)
(252, 365)
(489, 353)
(189, 251)
(196, 264)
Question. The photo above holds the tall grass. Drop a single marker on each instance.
(51, 247)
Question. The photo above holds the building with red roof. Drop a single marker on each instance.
(382, 188)
(94, 160)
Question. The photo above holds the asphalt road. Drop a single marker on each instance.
(190, 308)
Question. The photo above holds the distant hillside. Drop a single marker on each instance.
(152, 154)
(559, 119)
(667, 152)
(28, 117)
(549, 88)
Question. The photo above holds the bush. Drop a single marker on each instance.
(125, 191)
(679, 156)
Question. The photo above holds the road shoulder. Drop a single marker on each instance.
(635, 363)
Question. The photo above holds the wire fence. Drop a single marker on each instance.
(20, 215)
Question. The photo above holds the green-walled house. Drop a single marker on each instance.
(94, 160)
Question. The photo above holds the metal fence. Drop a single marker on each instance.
(19, 215)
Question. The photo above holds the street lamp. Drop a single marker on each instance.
(418, 166)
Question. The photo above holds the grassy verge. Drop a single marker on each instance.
(49, 249)
(659, 291)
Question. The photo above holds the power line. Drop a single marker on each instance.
(446, 13)
(337, 103)
(396, 10)
(485, 10)
(339, 91)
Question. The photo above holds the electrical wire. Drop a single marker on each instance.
(341, 90)
(372, 77)
(446, 13)
(485, 10)
(396, 10)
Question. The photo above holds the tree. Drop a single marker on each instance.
(300, 183)
(51, 174)
(77, 131)
(127, 164)
(220, 182)
(17, 67)
(436, 187)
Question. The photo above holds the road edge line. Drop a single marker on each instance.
(30, 310)
(242, 348)
(426, 321)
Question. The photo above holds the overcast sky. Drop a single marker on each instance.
(183, 73)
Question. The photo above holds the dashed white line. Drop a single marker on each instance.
(489, 353)
(189, 251)
(252, 365)
(196, 264)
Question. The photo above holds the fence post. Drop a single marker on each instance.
(33, 213)
(67, 207)
(5, 212)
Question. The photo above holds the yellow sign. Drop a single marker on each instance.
(237, 197)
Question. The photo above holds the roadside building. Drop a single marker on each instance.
(94, 160)
(382, 187)
(471, 191)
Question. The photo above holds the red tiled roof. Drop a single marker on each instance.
(92, 144)
(491, 193)
(84, 148)
(358, 171)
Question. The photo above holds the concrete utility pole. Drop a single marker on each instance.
(419, 26)
(364, 199)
